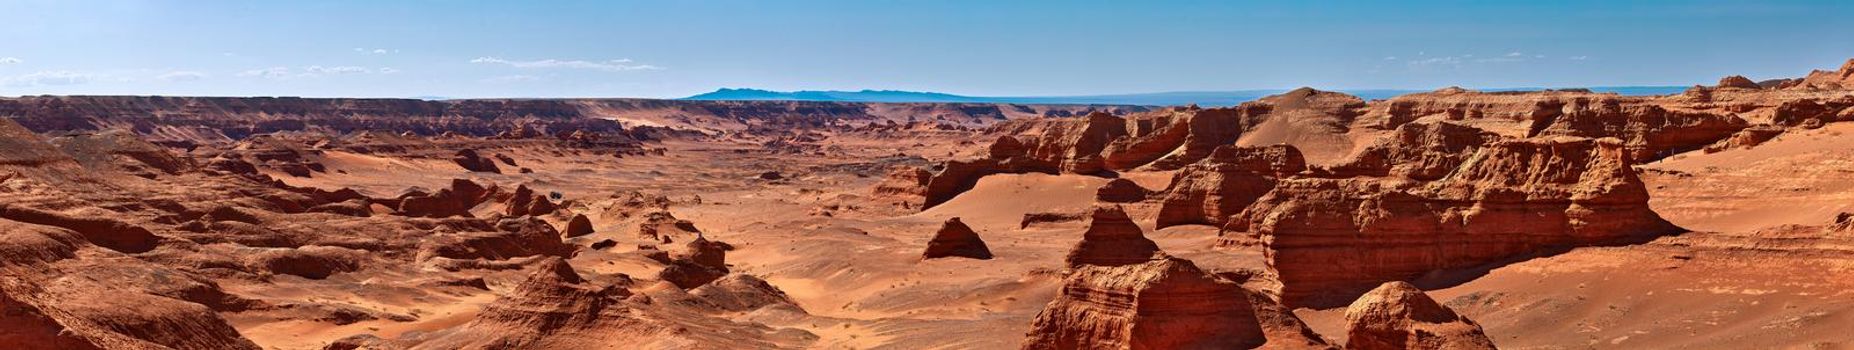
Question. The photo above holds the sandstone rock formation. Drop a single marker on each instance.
(454, 201)
(956, 239)
(578, 226)
(1396, 315)
(524, 202)
(1224, 183)
(740, 292)
(1120, 191)
(1166, 303)
(1839, 79)
(1508, 198)
(1112, 239)
(1123, 293)
(470, 160)
(697, 263)
(1737, 82)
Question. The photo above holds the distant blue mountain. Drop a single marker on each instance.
(1202, 98)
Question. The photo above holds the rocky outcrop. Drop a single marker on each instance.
(661, 226)
(1123, 293)
(1112, 239)
(958, 176)
(525, 202)
(1161, 303)
(312, 262)
(511, 238)
(454, 201)
(1737, 82)
(578, 226)
(121, 151)
(1423, 151)
(695, 264)
(1224, 183)
(908, 184)
(99, 319)
(1120, 191)
(1747, 138)
(1648, 131)
(956, 239)
(1509, 198)
(470, 160)
(1840, 79)
(1398, 316)
(741, 292)
(105, 232)
(549, 309)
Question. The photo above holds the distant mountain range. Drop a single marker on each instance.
(1202, 98)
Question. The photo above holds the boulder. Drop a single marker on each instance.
(470, 160)
(578, 226)
(1120, 191)
(956, 239)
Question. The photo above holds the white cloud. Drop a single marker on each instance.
(1579, 58)
(1515, 54)
(10, 60)
(272, 73)
(181, 76)
(1390, 58)
(368, 51)
(512, 79)
(616, 65)
(47, 78)
(317, 70)
(1447, 60)
(312, 71)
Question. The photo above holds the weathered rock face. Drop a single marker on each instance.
(1123, 293)
(1509, 198)
(1223, 184)
(1165, 303)
(907, 184)
(1651, 127)
(1112, 239)
(1837, 79)
(1423, 151)
(1648, 131)
(1396, 315)
(958, 176)
(956, 239)
(1176, 137)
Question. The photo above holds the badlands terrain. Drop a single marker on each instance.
(1563, 219)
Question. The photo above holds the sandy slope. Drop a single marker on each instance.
(1802, 177)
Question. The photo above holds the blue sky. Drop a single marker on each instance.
(988, 48)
